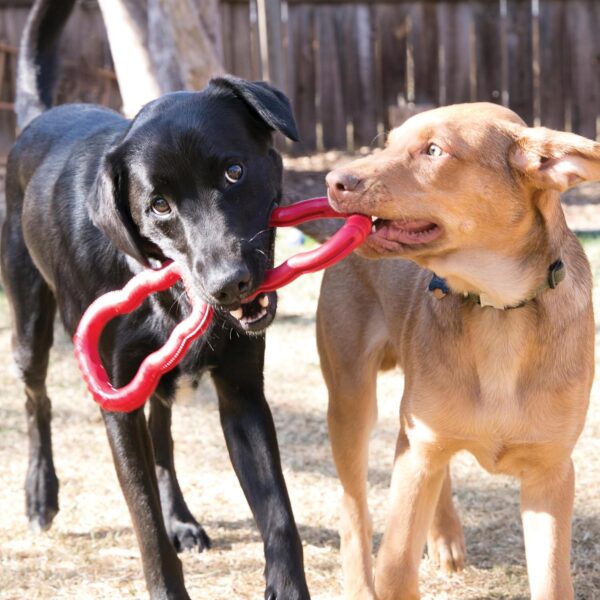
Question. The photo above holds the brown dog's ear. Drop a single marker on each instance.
(109, 207)
(555, 159)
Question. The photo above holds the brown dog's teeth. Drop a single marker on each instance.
(378, 224)
(237, 314)
(264, 301)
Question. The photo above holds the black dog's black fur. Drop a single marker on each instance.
(91, 198)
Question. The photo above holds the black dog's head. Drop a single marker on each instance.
(195, 179)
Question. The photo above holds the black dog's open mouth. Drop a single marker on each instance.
(255, 316)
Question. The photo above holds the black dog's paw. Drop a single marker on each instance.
(188, 536)
(41, 497)
(42, 521)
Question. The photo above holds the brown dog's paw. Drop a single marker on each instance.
(447, 550)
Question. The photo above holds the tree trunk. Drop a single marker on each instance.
(161, 43)
(196, 30)
(127, 31)
(159, 46)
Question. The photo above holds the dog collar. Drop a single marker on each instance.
(556, 273)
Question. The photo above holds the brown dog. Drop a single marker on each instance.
(498, 354)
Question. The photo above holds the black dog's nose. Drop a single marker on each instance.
(342, 181)
(228, 288)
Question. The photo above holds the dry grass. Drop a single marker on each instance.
(91, 551)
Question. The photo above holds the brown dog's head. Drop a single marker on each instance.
(449, 176)
(470, 192)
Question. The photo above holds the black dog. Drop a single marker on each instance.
(91, 199)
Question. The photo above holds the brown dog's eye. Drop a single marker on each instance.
(434, 150)
(234, 173)
(160, 206)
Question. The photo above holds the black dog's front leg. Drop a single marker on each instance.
(252, 443)
(183, 529)
(134, 461)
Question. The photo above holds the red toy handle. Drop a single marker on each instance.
(110, 305)
(351, 235)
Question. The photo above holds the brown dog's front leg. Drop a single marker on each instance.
(417, 480)
(546, 510)
(350, 372)
(134, 461)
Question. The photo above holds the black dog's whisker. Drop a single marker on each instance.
(257, 234)
(176, 302)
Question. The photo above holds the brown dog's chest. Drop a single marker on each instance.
(494, 389)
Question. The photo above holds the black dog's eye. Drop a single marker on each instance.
(233, 173)
(160, 206)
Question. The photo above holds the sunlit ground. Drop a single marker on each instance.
(91, 551)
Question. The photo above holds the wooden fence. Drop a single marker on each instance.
(354, 68)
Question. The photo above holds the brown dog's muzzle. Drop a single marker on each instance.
(341, 188)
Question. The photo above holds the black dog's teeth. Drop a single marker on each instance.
(238, 313)
(253, 311)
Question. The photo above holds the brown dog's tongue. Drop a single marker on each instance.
(408, 232)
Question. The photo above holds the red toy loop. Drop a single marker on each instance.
(110, 305)
(107, 307)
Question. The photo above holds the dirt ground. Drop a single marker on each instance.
(91, 551)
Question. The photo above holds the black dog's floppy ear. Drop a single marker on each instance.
(109, 208)
(271, 105)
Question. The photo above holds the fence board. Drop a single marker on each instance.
(11, 25)
(582, 24)
(346, 34)
(367, 117)
(241, 41)
(554, 64)
(454, 25)
(255, 42)
(423, 38)
(486, 24)
(301, 74)
(519, 58)
(330, 106)
(391, 25)
(227, 39)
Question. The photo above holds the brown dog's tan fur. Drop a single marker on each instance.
(510, 386)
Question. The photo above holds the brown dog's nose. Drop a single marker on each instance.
(342, 181)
